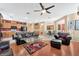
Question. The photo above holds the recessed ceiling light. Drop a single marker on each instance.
(27, 13)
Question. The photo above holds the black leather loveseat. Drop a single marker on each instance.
(65, 37)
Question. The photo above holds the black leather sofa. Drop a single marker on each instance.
(18, 39)
(66, 41)
(26, 35)
(20, 35)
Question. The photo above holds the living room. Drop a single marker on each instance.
(39, 29)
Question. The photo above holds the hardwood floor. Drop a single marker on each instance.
(71, 50)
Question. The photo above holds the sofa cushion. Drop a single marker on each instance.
(4, 47)
(0, 49)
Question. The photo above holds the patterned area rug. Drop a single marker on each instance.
(31, 48)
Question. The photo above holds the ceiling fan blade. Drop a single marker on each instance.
(48, 12)
(41, 6)
(37, 10)
(50, 7)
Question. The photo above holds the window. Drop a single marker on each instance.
(71, 24)
(77, 25)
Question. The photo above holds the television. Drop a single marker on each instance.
(13, 27)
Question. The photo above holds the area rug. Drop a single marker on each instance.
(31, 48)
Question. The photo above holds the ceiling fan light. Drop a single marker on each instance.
(43, 11)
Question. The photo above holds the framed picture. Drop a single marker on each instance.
(59, 27)
(36, 26)
(50, 27)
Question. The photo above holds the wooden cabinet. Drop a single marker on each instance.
(7, 24)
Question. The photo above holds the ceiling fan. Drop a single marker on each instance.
(44, 10)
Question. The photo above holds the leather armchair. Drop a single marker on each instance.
(65, 37)
(5, 49)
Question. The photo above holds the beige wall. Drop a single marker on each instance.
(30, 27)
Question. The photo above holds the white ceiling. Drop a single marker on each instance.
(18, 11)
